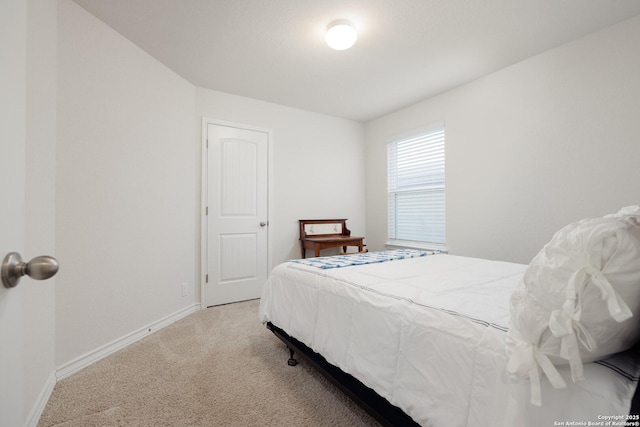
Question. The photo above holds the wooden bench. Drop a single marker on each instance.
(318, 234)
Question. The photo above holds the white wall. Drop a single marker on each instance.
(545, 142)
(127, 186)
(318, 165)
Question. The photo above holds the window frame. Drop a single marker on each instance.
(393, 242)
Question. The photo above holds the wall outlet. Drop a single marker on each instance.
(185, 289)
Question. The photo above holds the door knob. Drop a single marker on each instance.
(39, 268)
(263, 224)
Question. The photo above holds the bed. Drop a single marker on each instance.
(418, 338)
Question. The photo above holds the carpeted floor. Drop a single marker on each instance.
(217, 367)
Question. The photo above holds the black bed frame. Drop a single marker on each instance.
(375, 405)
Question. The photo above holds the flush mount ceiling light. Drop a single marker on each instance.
(341, 34)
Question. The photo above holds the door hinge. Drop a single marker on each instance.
(206, 279)
(207, 143)
(207, 210)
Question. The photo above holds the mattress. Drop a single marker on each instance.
(428, 334)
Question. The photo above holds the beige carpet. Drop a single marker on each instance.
(217, 367)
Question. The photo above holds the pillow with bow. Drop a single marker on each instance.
(579, 300)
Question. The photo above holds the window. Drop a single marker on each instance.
(415, 190)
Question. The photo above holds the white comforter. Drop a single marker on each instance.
(428, 335)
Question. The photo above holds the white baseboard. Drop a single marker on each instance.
(41, 402)
(91, 357)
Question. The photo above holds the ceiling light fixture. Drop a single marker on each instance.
(341, 34)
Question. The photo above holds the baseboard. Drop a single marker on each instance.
(41, 402)
(91, 357)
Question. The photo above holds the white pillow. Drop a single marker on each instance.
(576, 300)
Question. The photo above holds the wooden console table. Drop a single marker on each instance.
(318, 234)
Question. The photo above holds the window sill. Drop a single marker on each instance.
(394, 244)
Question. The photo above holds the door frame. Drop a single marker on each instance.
(204, 225)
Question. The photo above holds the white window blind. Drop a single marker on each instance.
(416, 191)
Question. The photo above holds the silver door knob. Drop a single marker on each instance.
(39, 268)
(263, 224)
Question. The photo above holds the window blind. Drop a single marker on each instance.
(416, 189)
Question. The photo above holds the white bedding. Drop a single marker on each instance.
(428, 334)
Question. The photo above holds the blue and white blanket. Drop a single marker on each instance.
(362, 258)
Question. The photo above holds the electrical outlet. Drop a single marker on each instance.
(185, 289)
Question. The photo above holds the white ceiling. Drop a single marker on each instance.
(407, 50)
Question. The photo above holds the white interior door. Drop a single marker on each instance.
(12, 208)
(237, 214)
